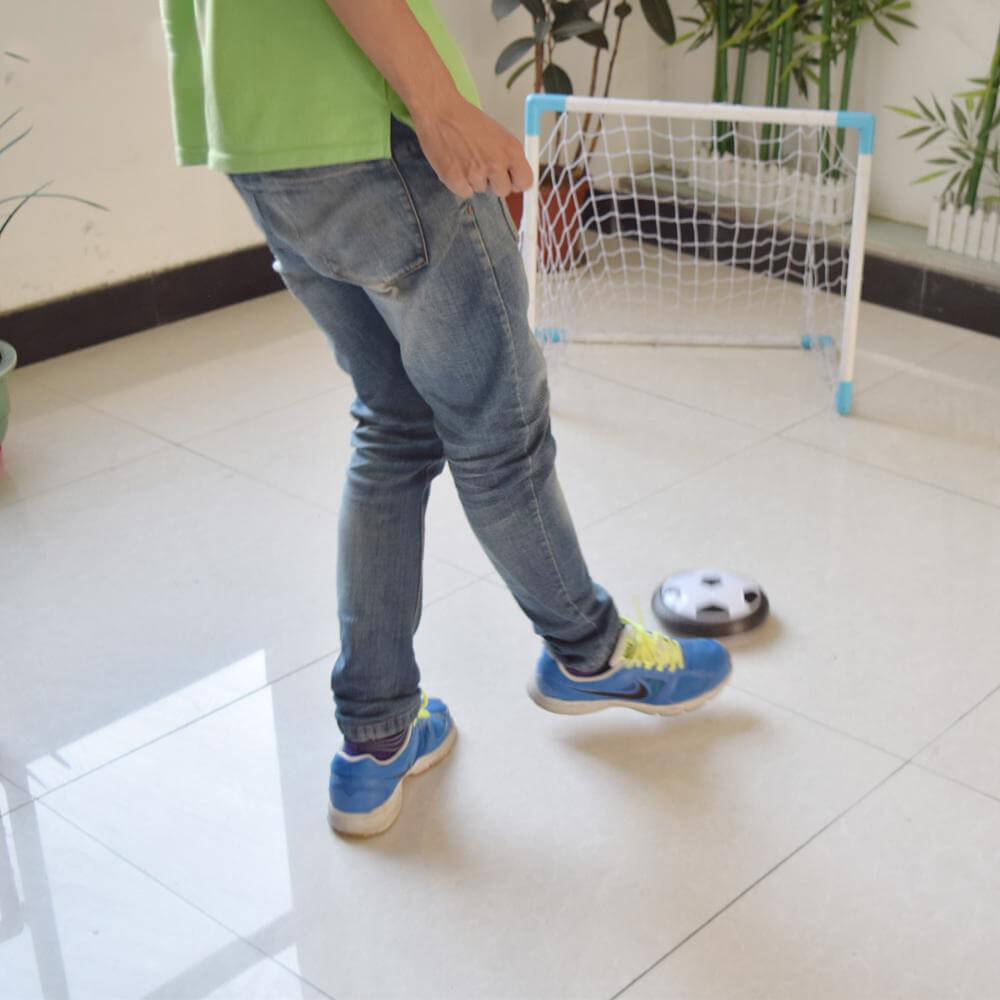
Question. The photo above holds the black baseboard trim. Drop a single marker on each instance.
(88, 318)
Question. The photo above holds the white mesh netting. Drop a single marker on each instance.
(673, 230)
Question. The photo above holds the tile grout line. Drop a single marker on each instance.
(670, 399)
(753, 885)
(896, 474)
(173, 892)
(910, 761)
(218, 708)
(821, 724)
(955, 781)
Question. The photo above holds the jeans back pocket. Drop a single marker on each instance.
(354, 222)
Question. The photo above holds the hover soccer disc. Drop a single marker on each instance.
(709, 602)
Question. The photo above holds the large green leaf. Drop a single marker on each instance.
(512, 79)
(584, 28)
(517, 49)
(660, 18)
(556, 80)
(501, 8)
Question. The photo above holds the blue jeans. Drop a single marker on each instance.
(424, 299)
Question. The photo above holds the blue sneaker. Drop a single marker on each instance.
(366, 794)
(647, 672)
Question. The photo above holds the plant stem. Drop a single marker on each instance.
(772, 73)
(785, 76)
(741, 63)
(607, 79)
(845, 83)
(593, 83)
(988, 108)
(826, 58)
(721, 85)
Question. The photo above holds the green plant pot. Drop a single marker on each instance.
(8, 358)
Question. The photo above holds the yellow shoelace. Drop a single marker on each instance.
(423, 713)
(650, 650)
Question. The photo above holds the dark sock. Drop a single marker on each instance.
(382, 749)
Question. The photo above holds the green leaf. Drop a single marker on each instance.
(943, 161)
(512, 53)
(971, 94)
(950, 184)
(933, 137)
(501, 8)
(910, 133)
(941, 115)
(536, 8)
(905, 21)
(556, 80)
(590, 31)
(884, 31)
(788, 12)
(527, 64)
(542, 29)
(930, 177)
(960, 119)
(903, 111)
(16, 139)
(660, 18)
(11, 117)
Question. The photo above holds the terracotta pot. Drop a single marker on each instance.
(564, 205)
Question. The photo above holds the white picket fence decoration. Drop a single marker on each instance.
(770, 186)
(960, 230)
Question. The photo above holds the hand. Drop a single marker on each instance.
(469, 151)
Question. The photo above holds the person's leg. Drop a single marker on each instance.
(467, 348)
(397, 453)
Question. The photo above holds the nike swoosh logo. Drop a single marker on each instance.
(638, 692)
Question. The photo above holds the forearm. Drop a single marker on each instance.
(390, 35)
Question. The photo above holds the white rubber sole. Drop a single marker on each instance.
(561, 706)
(370, 824)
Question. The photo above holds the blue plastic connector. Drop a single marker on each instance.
(536, 105)
(845, 395)
(864, 122)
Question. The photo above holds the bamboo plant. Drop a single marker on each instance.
(972, 136)
(805, 41)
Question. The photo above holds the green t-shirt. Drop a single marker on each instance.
(278, 84)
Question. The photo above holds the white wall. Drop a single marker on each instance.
(95, 91)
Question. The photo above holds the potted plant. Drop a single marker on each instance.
(564, 187)
(964, 217)
(13, 204)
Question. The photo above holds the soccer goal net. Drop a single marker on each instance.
(657, 222)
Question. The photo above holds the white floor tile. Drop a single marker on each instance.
(879, 586)
(615, 447)
(970, 752)
(203, 373)
(938, 422)
(900, 898)
(581, 846)
(53, 439)
(142, 597)
(11, 795)
(766, 388)
(78, 922)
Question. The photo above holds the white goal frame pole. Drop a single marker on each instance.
(538, 104)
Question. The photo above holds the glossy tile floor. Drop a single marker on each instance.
(829, 828)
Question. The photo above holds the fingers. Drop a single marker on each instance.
(520, 173)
